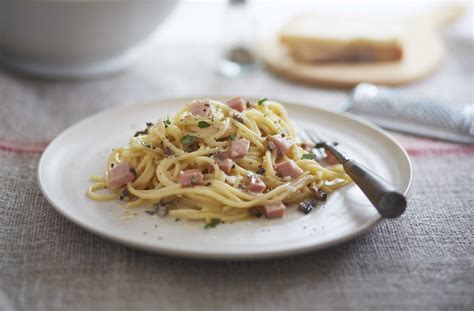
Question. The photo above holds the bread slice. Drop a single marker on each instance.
(318, 39)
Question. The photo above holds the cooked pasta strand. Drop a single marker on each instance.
(197, 141)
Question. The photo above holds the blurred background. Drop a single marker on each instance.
(85, 56)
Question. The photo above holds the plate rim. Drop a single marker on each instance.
(213, 255)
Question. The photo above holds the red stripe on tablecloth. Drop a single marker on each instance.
(21, 148)
(6, 141)
(416, 152)
(419, 147)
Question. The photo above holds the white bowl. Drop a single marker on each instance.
(75, 38)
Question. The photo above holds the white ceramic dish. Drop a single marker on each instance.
(81, 151)
(76, 38)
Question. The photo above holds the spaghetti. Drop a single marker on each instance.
(217, 161)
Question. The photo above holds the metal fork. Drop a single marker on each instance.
(388, 201)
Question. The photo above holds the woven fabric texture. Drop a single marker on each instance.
(422, 261)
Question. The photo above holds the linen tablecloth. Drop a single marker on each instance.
(421, 261)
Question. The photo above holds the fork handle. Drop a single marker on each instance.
(387, 200)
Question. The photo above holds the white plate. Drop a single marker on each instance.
(82, 150)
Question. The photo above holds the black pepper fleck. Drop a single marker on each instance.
(123, 194)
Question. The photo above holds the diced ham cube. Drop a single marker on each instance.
(274, 210)
(288, 168)
(200, 107)
(256, 184)
(222, 154)
(120, 175)
(190, 177)
(282, 144)
(208, 169)
(225, 165)
(236, 103)
(238, 148)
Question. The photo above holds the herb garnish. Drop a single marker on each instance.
(255, 212)
(203, 124)
(140, 133)
(213, 223)
(231, 137)
(123, 194)
(145, 131)
(192, 147)
(261, 101)
(188, 139)
(307, 206)
(308, 156)
(319, 194)
(167, 121)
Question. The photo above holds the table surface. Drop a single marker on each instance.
(421, 261)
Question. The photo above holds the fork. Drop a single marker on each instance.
(388, 201)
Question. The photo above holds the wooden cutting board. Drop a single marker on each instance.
(423, 51)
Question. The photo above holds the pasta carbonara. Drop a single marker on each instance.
(216, 162)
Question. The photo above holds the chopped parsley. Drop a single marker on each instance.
(213, 223)
(145, 131)
(255, 212)
(188, 139)
(167, 120)
(123, 194)
(140, 133)
(232, 137)
(308, 156)
(203, 124)
(261, 101)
